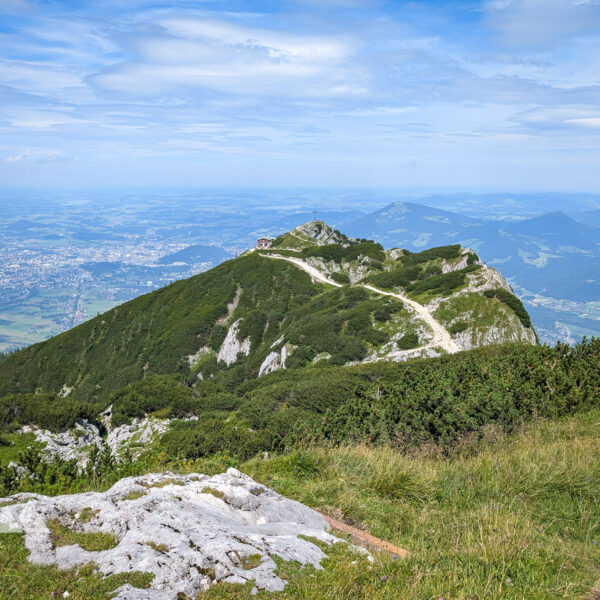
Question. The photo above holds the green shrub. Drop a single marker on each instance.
(458, 327)
(340, 277)
(383, 312)
(396, 278)
(417, 258)
(443, 285)
(217, 337)
(163, 393)
(512, 302)
(408, 341)
(205, 437)
(47, 411)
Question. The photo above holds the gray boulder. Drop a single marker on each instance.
(190, 531)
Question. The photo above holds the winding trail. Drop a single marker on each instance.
(441, 336)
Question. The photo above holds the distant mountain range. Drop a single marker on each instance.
(553, 255)
(196, 254)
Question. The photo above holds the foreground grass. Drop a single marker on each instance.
(511, 518)
(516, 517)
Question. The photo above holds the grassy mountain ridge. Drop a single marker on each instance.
(252, 315)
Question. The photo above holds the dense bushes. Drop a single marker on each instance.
(197, 439)
(163, 394)
(408, 341)
(337, 322)
(339, 277)
(396, 278)
(423, 401)
(444, 284)
(446, 252)
(434, 400)
(47, 411)
(385, 311)
(339, 253)
(458, 327)
(512, 302)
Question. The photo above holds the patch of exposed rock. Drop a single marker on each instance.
(477, 337)
(192, 359)
(231, 306)
(232, 346)
(322, 233)
(275, 361)
(75, 443)
(189, 531)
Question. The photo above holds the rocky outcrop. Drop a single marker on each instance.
(232, 346)
(189, 531)
(231, 306)
(274, 361)
(477, 337)
(322, 233)
(74, 444)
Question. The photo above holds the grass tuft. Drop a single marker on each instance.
(251, 562)
(134, 495)
(87, 514)
(162, 548)
(60, 535)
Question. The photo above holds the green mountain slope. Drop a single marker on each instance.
(253, 315)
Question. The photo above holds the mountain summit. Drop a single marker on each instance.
(314, 296)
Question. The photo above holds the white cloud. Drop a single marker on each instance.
(277, 44)
(542, 23)
(227, 57)
(591, 122)
(561, 118)
(37, 155)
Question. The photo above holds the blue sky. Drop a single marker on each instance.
(499, 94)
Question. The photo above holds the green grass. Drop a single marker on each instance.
(512, 517)
(87, 514)
(251, 562)
(509, 517)
(61, 535)
(165, 482)
(162, 548)
(15, 443)
(20, 580)
(134, 495)
(214, 492)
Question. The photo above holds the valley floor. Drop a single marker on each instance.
(512, 517)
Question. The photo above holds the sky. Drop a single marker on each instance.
(457, 95)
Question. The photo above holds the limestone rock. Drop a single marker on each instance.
(190, 531)
(75, 443)
(274, 361)
(231, 347)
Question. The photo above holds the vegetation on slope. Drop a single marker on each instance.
(154, 333)
(179, 329)
(436, 401)
(512, 302)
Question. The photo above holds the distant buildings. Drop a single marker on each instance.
(264, 243)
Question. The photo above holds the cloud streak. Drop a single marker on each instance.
(336, 93)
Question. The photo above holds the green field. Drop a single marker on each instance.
(44, 314)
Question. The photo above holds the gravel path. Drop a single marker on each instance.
(441, 336)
